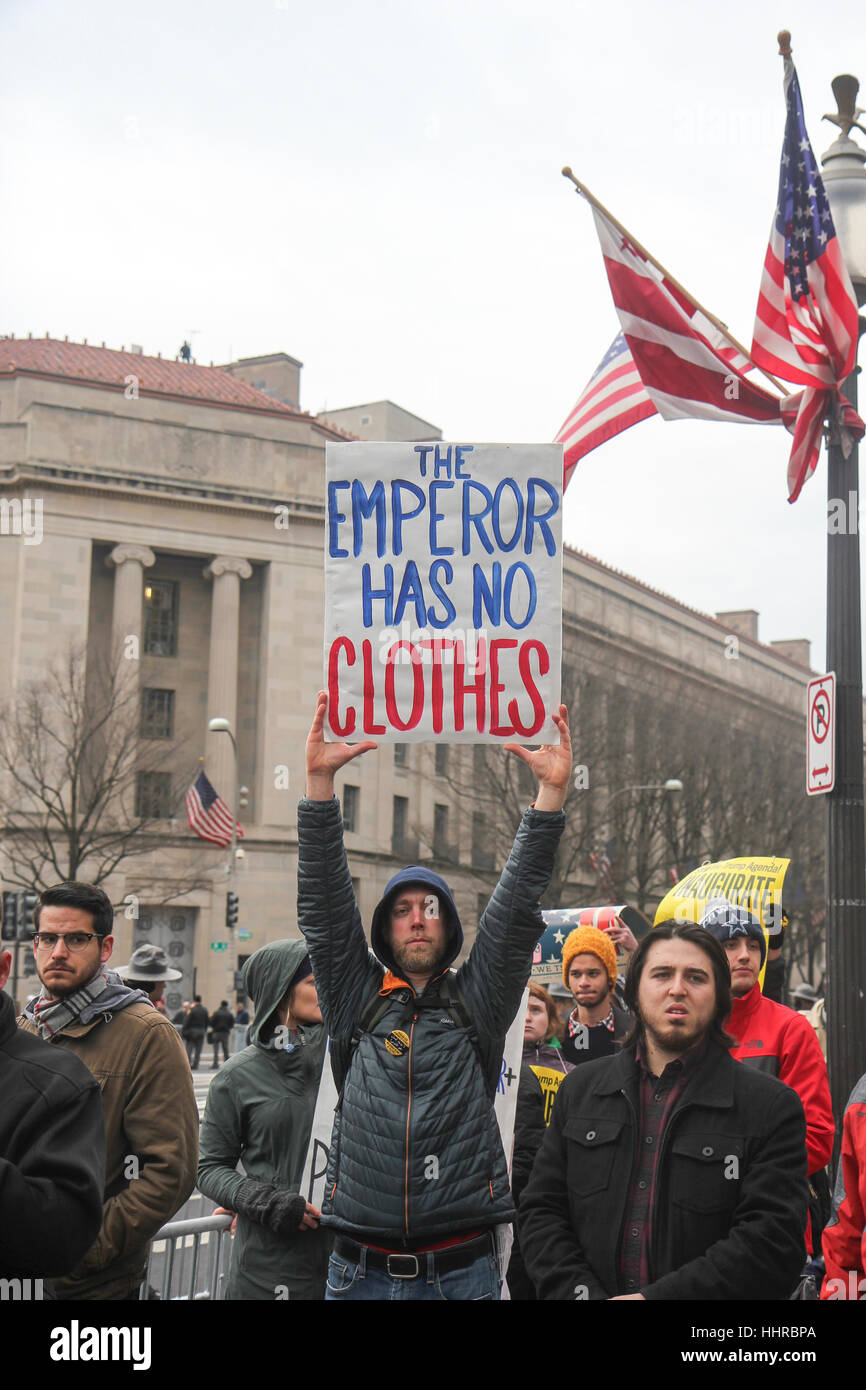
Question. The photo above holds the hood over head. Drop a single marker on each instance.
(412, 877)
(268, 974)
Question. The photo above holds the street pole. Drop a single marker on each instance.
(845, 182)
(846, 831)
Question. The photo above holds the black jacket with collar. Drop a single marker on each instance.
(730, 1197)
(52, 1154)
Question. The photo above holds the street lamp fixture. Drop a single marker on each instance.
(223, 726)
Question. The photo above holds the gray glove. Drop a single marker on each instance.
(281, 1211)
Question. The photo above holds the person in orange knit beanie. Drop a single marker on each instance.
(589, 971)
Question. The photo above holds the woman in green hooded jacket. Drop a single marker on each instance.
(260, 1111)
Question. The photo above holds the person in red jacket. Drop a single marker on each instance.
(844, 1240)
(776, 1039)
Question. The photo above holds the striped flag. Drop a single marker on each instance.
(686, 373)
(602, 863)
(208, 815)
(806, 321)
(613, 400)
(669, 359)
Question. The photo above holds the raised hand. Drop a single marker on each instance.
(551, 765)
(325, 759)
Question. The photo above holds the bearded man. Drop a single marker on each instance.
(669, 1171)
(417, 1178)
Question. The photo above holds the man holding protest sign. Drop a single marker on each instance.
(417, 1178)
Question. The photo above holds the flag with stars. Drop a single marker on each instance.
(208, 815)
(806, 320)
(613, 399)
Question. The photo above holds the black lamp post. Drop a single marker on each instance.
(845, 181)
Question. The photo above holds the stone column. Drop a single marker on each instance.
(226, 571)
(129, 563)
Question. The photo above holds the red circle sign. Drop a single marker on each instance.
(819, 716)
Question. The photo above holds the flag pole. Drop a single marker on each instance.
(633, 241)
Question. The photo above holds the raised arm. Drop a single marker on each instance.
(496, 972)
(328, 915)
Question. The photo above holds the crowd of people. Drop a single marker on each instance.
(672, 1131)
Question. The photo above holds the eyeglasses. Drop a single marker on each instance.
(72, 940)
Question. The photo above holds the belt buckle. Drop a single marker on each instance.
(398, 1274)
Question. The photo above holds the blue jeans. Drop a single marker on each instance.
(347, 1280)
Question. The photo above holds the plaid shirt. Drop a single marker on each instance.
(657, 1097)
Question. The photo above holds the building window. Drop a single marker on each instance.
(482, 850)
(157, 713)
(160, 617)
(350, 807)
(441, 847)
(401, 754)
(481, 901)
(356, 889)
(401, 841)
(441, 759)
(153, 796)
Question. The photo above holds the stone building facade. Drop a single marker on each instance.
(182, 507)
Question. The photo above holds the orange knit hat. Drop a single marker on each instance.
(594, 941)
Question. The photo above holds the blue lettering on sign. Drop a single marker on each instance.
(483, 594)
(363, 507)
(513, 570)
(450, 610)
(411, 591)
(459, 460)
(442, 461)
(423, 450)
(541, 519)
(497, 503)
(397, 512)
(476, 519)
(435, 518)
(368, 593)
(334, 519)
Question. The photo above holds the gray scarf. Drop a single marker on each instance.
(105, 991)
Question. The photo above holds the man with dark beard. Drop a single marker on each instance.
(151, 1120)
(417, 1177)
(669, 1171)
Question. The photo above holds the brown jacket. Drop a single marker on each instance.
(151, 1127)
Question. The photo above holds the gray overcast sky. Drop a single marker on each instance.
(375, 189)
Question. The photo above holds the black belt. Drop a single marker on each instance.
(410, 1264)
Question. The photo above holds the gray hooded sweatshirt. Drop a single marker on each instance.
(260, 1111)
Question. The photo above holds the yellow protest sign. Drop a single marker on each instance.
(549, 1079)
(754, 883)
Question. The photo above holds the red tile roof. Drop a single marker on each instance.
(157, 376)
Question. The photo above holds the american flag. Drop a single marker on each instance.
(613, 400)
(208, 815)
(688, 370)
(806, 322)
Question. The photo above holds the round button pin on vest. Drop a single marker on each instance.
(397, 1043)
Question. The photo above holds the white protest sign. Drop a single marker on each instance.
(443, 591)
(504, 1105)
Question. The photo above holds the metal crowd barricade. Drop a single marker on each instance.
(188, 1260)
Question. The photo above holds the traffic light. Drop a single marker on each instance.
(27, 908)
(10, 917)
(231, 910)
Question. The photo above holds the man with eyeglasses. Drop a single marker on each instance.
(135, 1054)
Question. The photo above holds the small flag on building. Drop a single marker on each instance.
(208, 815)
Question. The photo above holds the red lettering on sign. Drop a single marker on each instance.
(342, 731)
(369, 726)
(391, 710)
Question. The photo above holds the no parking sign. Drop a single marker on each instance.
(821, 735)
